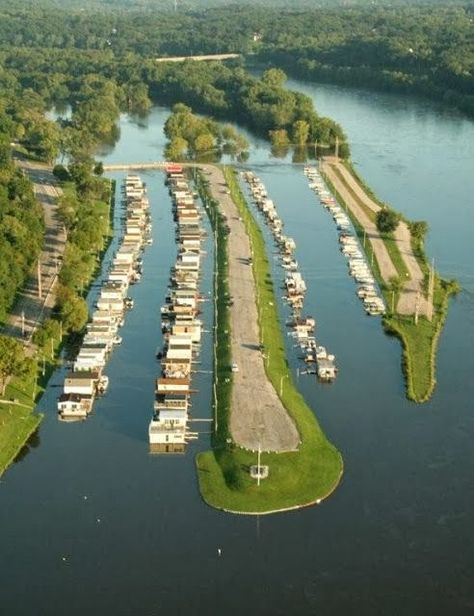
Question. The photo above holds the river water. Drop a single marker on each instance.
(395, 538)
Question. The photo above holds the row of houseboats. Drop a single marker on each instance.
(86, 380)
(302, 327)
(168, 429)
(359, 269)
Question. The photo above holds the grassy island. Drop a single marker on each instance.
(296, 479)
(419, 336)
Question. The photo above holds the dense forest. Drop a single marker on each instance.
(21, 228)
(424, 48)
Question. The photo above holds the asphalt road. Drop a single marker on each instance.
(30, 309)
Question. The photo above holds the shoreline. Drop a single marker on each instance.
(41, 382)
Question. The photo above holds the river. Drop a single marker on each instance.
(395, 538)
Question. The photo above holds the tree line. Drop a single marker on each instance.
(424, 48)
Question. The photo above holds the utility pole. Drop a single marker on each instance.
(22, 323)
(431, 292)
(258, 463)
(40, 291)
(336, 150)
(417, 307)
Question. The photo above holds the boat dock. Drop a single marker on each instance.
(302, 327)
(168, 430)
(359, 269)
(87, 379)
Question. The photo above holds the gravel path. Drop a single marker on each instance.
(257, 413)
(413, 287)
(386, 266)
(34, 308)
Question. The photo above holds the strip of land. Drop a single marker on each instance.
(296, 478)
(200, 58)
(258, 417)
(412, 296)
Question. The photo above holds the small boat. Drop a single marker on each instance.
(102, 384)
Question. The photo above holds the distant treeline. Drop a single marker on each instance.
(425, 48)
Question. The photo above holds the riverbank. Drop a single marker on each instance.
(18, 419)
(415, 317)
(296, 478)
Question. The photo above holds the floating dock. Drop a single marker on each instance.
(87, 379)
(168, 430)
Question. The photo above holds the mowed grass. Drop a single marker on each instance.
(420, 342)
(296, 478)
(18, 421)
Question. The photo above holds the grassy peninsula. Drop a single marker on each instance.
(296, 479)
(419, 337)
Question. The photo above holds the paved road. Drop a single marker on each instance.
(29, 309)
(257, 413)
(413, 287)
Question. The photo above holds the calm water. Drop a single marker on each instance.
(395, 538)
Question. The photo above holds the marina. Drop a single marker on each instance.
(168, 431)
(87, 380)
(302, 327)
(359, 269)
(377, 524)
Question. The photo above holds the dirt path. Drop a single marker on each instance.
(386, 266)
(257, 413)
(412, 292)
(29, 309)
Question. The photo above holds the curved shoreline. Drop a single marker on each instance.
(296, 479)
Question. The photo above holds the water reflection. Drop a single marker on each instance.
(32, 443)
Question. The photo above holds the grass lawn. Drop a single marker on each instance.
(420, 342)
(18, 421)
(295, 478)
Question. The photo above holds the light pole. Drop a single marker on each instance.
(283, 376)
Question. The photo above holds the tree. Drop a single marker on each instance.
(60, 172)
(300, 132)
(395, 285)
(279, 138)
(204, 143)
(176, 149)
(13, 361)
(99, 168)
(419, 229)
(274, 77)
(387, 220)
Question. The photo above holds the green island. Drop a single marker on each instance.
(298, 478)
(418, 334)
